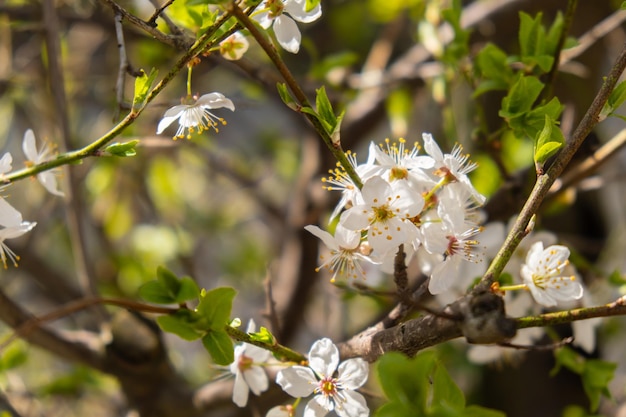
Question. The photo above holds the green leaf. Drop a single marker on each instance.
(554, 33)
(458, 48)
(521, 97)
(325, 109)
(534, 120)
(531, 35)
(156, 292)
(616, 99)
(492, 64)
(406, 380)
(549, 141)
(395, 409)
(143, 83)
(220, 347)
(286, 97)
(478, 411)
(122, 149)
(183, 323)
(215, 307)
(169, 289)
(13, 355)
(569, 359)
(596, 377)
(445, 390)
(263, 335)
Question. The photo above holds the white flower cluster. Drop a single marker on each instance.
(333, 385)
(11, 221)
(424, 202)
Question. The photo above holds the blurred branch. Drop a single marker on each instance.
(616, 308)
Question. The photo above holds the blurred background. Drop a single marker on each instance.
(229, 208)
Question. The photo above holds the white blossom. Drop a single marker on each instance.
(34, 157)
(12, 226)
(333, 384)
(281, 15)
(345, 255)
(249, 375)
(386, 214)
(233, 47)
(543, 275)
(195, 115)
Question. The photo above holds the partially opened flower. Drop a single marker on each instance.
(332, 383)
(544, 275)
(34, 157)
(234, 46)
(274, 13)
(249, 374)
(194, 115)
(13, 226)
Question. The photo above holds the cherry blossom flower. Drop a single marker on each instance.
(233, 47)
(345, 255)
(333, 384)
(194, 114)
(12, 226)
(385, 213)
(543, 275)
(273, 13)
(454, 166)
(34, 157)
(249, 375)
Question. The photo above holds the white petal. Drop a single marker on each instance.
(29, 146)
(346, 238)
(5, 163)
(443, 276)
(353, 373)
(264, 19)
(375, 190)
(287, 33)
(324, 357)
(297, 381)
(240, 391)
(256, 379)
(215, 101)
(355, 218)
(323, 235)
(9, 216)
(432, 148)
(165, 122)
(16, 231)
(278, 411)
(297, 10)
(354, 406)
(49, 181)
(317, 407)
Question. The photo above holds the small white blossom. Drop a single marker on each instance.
(34, 157)
(233, 47)
(455, 166)
(345, 255)
(274, 13)
(543, 275)
(12, 226)
(195, 114)
(249, 375)
(332, 383)
(386, 214)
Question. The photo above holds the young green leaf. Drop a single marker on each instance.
(182, 323)
(286, 97)
(445, 390)
(122, 149)
(264, 336)
(220, 347)
(616, 99)
(521, 97)
(143, 83)
(549, 141)
(215, 307)
(325, 109)
(596, 377)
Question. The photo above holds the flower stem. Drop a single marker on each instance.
(282, 352)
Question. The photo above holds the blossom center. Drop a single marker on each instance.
(398, 173)
(328, 386)
(382, 214)
(275, 8)
(245, 363)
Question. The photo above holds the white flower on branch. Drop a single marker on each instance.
(249, 374)
(332, 383)
(12, 226)
(194, 115)
(233, 47)
(34, 157)
(543, 274)
(273, 13)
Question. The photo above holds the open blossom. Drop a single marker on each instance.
(385, 213)
(194, 115)
(333, 384)
(345, 255)
(543, 274)
(34, 157)
(249, 375)
(12, 226)
(233, 47)
(281, 15)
